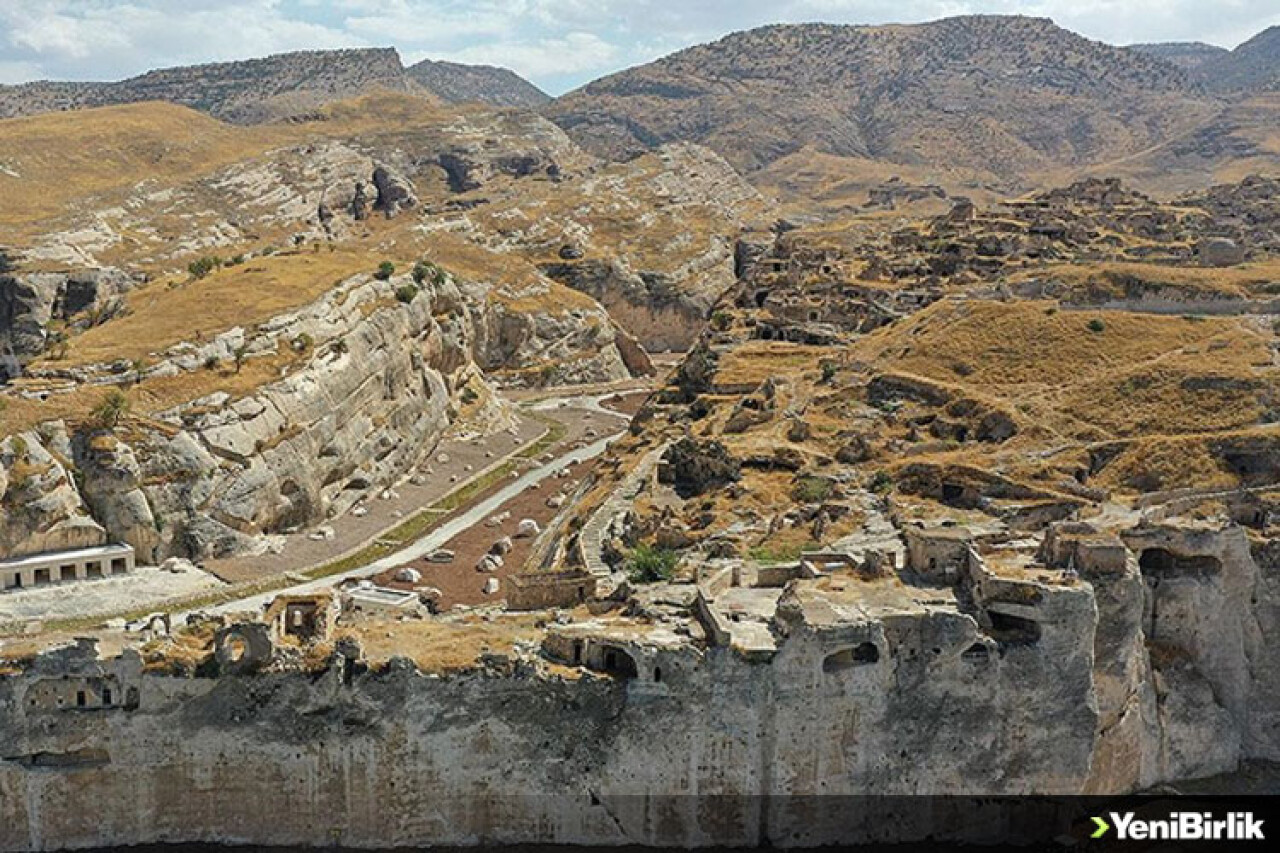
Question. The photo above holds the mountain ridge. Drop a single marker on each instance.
(279, 86)
(1009, 94)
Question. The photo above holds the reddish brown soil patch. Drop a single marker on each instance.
(459, 582)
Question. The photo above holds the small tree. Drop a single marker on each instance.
(240, 354)
(386, 269)
(111, 409)
(138, 365)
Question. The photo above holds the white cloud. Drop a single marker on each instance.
(570, 54)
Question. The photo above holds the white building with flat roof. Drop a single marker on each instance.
(38, 569)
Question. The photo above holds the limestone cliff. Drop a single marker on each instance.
(1129, 677)
(377, 380)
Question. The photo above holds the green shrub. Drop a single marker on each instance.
(812, 490)
(721, 321)
(650, 564)
(212, 362)
(203, 266)
(386, 269)
(828, 370)
(406, 293)
(881, 482)
(1097, 326)
(424, 270)
(303, 342)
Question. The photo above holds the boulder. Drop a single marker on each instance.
(408, 574)
(502, 547)
(429, 597)
(491, 586)
(527, 528)
(441, 555)
(178, 565)
(694, 467)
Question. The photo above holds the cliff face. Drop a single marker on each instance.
(371, 395)
(346, 379)
(677, 751)
(376, 382)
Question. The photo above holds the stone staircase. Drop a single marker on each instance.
(595, 532)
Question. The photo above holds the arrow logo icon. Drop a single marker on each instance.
(1102, 825)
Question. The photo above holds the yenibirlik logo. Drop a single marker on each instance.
(1181, 826)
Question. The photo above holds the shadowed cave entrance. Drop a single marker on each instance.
(1161, 563)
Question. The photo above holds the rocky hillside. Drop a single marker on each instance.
(1187, 55)
(1006, 96)
(1252, 67)
(296, 313)
(485, 84)
(280, 86)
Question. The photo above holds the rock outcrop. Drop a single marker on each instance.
(30, 301)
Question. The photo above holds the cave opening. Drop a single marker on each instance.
(1163, 563)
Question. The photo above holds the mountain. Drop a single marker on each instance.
(1006, 96)
(275, 87)
(1254, 66)
(244, 92)
(486, 84)
(1184, 54)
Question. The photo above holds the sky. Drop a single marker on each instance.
(558, 44)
